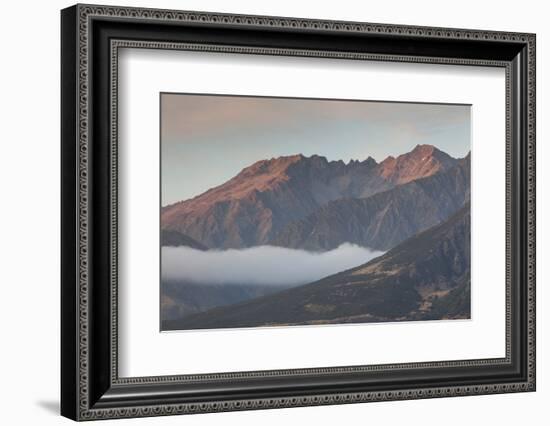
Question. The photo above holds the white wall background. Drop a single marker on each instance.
(29, 224)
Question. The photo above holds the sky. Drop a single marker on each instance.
(208, 139)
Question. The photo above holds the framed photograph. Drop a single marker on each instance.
(263, 212)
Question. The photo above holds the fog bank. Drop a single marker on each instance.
(264, 265)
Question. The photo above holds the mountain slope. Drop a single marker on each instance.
(181, 298)
(422, 161)
(425, 277)
(384, 219)
(254, 206)
(175, 239)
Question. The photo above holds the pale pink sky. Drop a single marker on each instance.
(207, 139)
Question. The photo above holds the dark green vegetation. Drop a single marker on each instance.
(424, 277)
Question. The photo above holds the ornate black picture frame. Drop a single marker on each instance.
(90, 38)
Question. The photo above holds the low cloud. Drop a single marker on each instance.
(264, 265)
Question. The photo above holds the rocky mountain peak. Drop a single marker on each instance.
(424, 149)
(422, 161)
(369, 161)
(257, 203)
(271, 166)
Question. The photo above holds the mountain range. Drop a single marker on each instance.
(271, 200)
(415, 207)
(383, 220)
(425, 277)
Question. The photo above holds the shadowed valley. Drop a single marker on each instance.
(425, 277)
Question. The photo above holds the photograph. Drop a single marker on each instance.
(264, 209)
(284, 212)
